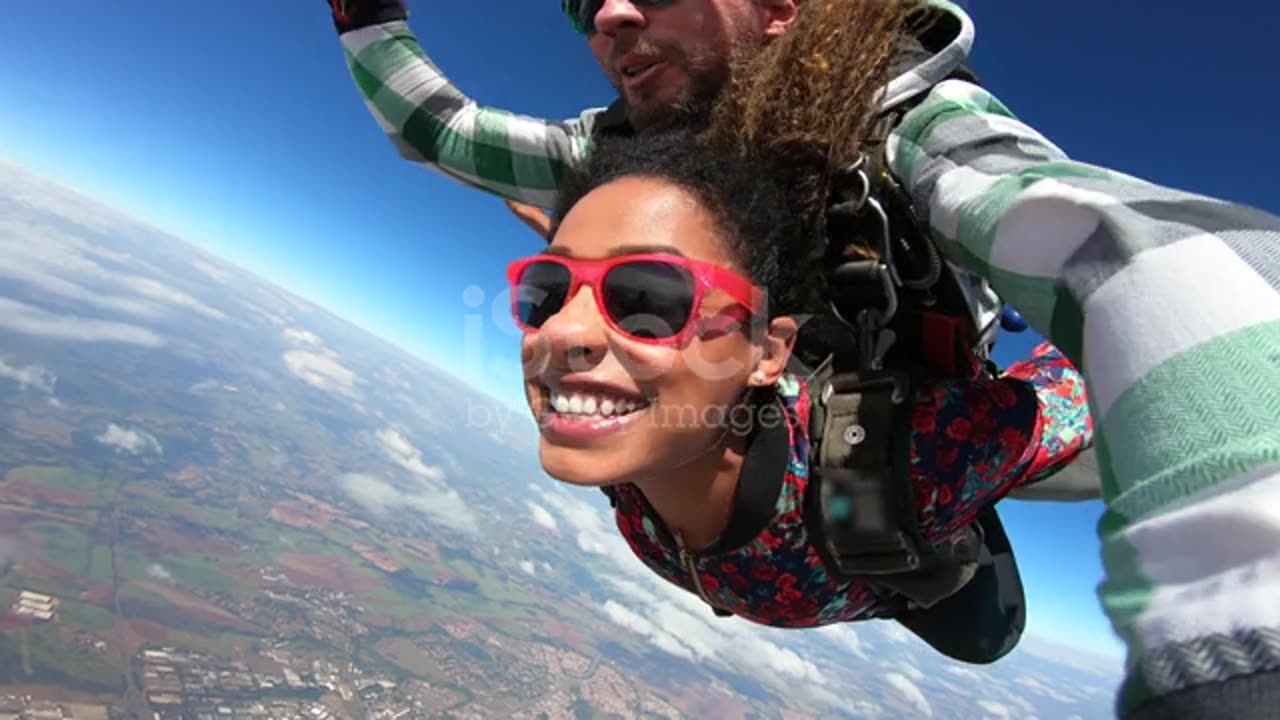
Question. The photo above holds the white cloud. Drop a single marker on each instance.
(210, 268)
(273, 318)
(993, 710)
(303, 337)
(640, 625)
(30, 320)
(322, 370)
(406, 455)
(911, 671)
(215, 273)
(321, 367)
(380, 497)
(395, 380)
(35, 377)
(587, 524)
(205, 386)
(1093, 661)
(542, 517)
(843, 636)
(57, 262)
(895, 633)
(164, 293)
(293, 301)
(48, 284)
(675, 620)
(36, 193)
(1039, 687)
(130, 440)
(527, 566)
(908, 691)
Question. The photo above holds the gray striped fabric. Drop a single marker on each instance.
(1169, 304)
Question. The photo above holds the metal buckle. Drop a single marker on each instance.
(870, 324)
(896, 381)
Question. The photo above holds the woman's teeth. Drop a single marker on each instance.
(590, 405)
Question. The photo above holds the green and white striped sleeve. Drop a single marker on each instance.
(1169, 302)
(431, 122)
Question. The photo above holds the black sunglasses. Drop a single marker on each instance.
(650, 297)
(582, 13)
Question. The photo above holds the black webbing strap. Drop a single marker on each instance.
(860, 474)
(865, 488)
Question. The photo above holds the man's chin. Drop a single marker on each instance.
(675, 113)
(645, 115)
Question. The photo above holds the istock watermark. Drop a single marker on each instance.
(739, 418)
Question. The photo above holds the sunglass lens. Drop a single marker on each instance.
(541, 292)
(649, 299)
(581, 14)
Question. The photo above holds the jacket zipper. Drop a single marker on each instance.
(687, 558)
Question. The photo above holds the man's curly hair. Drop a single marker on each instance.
(760, 158)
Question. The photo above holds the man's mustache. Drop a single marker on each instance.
(641, 46)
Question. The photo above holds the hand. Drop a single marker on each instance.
(354, 14)
(531, 216)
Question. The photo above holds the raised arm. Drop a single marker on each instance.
(433, 123)
(1169, 304)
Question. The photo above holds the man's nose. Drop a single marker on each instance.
(614, 15)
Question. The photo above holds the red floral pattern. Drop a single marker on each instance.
(972, 443)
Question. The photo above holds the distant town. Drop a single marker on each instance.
(187, 685)
(278, 683)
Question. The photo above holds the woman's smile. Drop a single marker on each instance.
(583, 411)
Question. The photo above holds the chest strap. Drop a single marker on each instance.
(867, 517)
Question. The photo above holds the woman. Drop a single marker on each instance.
(658, 372)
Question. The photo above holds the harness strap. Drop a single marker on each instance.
(864, 516)
(860, 477)
(864, 488)
(945, 345)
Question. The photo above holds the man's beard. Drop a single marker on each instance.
(693, 106)
(708, 74)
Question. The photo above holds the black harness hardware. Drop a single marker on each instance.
(860, 420)
(863, 495)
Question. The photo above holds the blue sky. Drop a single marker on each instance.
(236, 126)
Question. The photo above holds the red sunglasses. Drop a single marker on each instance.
(649, 297)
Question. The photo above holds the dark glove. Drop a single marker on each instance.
(355, 14)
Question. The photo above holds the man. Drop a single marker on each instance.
(1168, 302)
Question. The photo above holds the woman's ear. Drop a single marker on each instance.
(777, 345)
